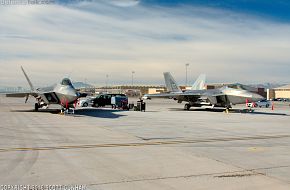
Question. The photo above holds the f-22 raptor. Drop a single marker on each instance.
(63, 94)
(223, 97)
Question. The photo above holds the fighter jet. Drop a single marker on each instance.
(223, 97)
(63, 94)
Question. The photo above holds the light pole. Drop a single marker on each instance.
(133, 72)
(186, 65)
(107, 77)
(85, 84)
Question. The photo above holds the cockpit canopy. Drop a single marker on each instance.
(66, 82)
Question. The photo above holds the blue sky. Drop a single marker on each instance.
(231, 41)
(272, 9)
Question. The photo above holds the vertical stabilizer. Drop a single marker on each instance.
(199, 83)
(28, 80)
(171, 84)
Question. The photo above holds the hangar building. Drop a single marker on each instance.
(280, 92)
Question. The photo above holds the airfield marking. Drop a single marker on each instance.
(188, 141)
(232, 174)
(215, 175)
(256, 149)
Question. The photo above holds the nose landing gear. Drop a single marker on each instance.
(187, 106)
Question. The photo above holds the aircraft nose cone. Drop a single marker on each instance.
(72, 95)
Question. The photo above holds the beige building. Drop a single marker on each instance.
(280, 92)
(136, 90)
(156, 90)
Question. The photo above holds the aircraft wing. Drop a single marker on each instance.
(193, 96)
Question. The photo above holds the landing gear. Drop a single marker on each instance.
(36, 107)
(228, 109)
(67, 110)
(187, 106)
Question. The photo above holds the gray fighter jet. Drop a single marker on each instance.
(223, 97)
(63, 94)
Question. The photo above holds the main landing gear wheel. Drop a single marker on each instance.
(36, 107)
(187, 106)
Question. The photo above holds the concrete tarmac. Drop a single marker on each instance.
(162, 148)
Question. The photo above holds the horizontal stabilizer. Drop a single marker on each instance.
(17, 95)
(21, 94)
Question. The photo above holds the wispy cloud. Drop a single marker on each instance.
(92, 39)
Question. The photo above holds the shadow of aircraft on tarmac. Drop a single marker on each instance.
(100, 113)
(52, 111)
(267, 113)
(243, 111)
(90, 112)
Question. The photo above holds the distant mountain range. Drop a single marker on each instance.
(82, 85)
(267, 85)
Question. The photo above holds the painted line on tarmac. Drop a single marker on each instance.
(154, 143)
(233, 174)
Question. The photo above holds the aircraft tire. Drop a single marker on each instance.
(36, 106)
(187, 106)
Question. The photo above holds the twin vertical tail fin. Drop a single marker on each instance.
(199, 84)
(171, 84)
(28, 80)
